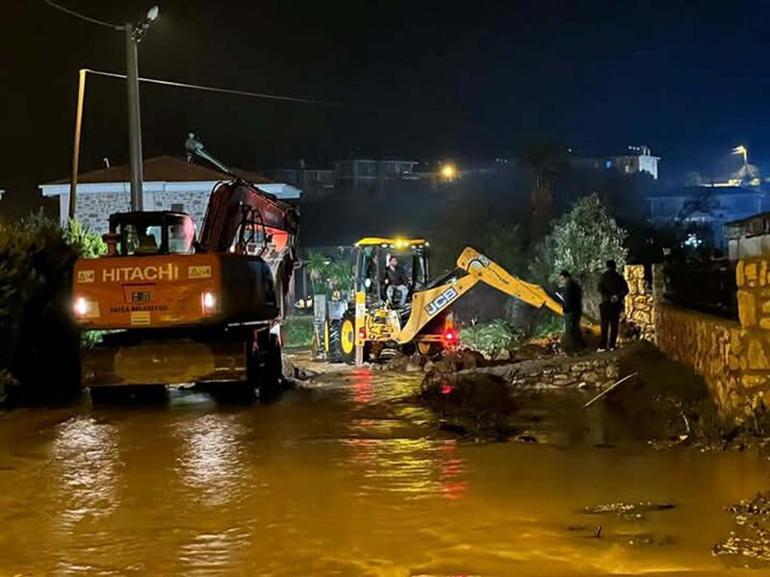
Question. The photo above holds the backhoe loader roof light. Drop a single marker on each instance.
(397, 242)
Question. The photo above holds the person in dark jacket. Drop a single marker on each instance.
(613, 289)
(396, 281)
(572, 305)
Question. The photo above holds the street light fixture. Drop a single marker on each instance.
(134, 32)
(744, 152)
(448, 171)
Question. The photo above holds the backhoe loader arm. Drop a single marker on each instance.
(473, 267)
(491, 273)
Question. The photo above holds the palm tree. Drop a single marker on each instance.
(546, 160)
(316, 263)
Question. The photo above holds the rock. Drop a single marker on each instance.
(526, 438)
(591, 377)
(414, 363)
(428, 366)
(504, 355)
(287, 367)
(398, 363)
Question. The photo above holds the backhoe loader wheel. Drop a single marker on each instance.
(348, 339)
(332, 341)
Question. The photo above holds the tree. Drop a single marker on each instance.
(545, 160)
(316, 263)
(581, 241)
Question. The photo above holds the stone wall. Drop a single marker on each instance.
(715, 348)
(732, 357)
(94, 208)
(193, 203)
(640, 302)
(595, 371)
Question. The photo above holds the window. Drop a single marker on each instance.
(177, 207)
(139, 239)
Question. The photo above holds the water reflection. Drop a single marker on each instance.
(211, 553)
(416, 468)
(86, 465)
(210, 462)
(363, 389)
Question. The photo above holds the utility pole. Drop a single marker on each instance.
(134, 117)
(76, 143)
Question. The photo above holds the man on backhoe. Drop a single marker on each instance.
(396, 281)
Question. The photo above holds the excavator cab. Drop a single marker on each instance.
(150, 234)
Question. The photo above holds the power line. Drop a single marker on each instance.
(83, 16)
(220, 90)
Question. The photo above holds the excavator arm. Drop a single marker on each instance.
(473, 267)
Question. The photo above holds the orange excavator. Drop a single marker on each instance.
(179, 310)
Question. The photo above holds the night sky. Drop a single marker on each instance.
(414, 79)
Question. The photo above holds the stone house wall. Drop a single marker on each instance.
(94, 208)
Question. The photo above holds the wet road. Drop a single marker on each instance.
(345, 480)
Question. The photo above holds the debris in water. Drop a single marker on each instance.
(752, 538)
(627, 509)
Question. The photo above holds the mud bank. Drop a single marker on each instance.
(662, 403)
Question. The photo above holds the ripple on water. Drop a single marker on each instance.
(86, 463)
(211, 460)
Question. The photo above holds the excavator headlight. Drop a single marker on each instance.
(81, 307)
(208, 302)
(84, 308)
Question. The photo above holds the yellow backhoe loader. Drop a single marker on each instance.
(372, 323)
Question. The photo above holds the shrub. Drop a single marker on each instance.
(490, 338)
(39, 344)
(298, 331)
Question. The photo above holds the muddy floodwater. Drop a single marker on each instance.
(347, 478)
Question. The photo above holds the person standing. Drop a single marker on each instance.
(572, 306)
(613, 289)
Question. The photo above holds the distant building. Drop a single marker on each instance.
(638, 159)
(169, 184)
(708, 205)
(365, 174)
(313, 182)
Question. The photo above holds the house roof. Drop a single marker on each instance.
(162, 169)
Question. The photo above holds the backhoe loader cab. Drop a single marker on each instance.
(371, 323)
(372, 256)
